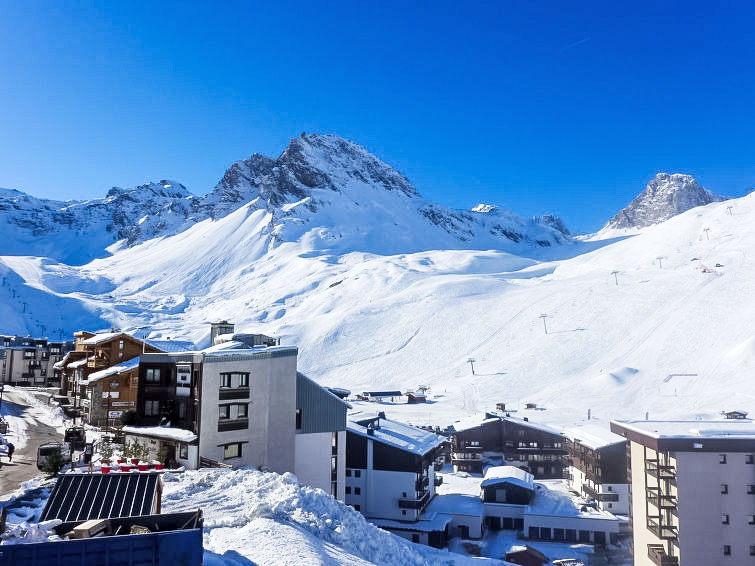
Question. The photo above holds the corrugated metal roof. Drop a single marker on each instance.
(321, 411)
(80, 497)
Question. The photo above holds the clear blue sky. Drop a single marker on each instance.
(567, 108)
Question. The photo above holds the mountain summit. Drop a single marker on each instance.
(664, 197)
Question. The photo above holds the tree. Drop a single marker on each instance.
(129, 417)
(53, 463)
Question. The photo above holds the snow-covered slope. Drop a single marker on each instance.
(378, 294)
(664, 197)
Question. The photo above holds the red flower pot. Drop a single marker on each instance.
(105, 469)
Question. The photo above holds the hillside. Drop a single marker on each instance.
(377, 294)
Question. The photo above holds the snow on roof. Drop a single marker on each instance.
(78, 363)
(99, 338)
(593, 436)
(721, 428)
(232, 345)
(246, 350)
(430, 522)
(508, 474)
(552, 497)
(478, 420)
(112, 370)
(165, 432)
(456, 504)
(172, 345)
(469, 423)
(395, 433)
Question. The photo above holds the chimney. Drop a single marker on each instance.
(218, 328)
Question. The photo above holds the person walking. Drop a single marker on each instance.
(11, 449)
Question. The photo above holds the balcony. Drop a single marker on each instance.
(97, 363)
(237, 424)
(658, 555)
(422, 483)
(661, 501)
(406, 503)
(660, 471)
(662, 531)
(235, 393)
(465, 456)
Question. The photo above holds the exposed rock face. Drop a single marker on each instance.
(324, 181)
(663, 198)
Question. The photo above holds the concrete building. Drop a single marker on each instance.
(692, 491)
(598, 466)
(390, 475)
(519, 442)
(28, 361)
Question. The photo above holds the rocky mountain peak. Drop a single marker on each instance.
(665, 196)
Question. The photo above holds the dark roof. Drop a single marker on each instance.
(382, 394)
(80, 497)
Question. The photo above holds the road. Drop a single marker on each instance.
(26, 432)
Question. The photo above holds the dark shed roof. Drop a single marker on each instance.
(80, 497)
(382, 394)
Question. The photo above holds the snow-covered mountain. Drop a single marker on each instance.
(335, 252)
(356, 200)
(664, 197)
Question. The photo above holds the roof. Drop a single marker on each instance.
(382, 394)
(165, 432)
(429, 523)
(721, 428)
(80, 497)
(78, 363)
(456, 504)
(553, 498)
(478, 420)
(394, 433)
(593, 436)
(508, 474)
(104, 337)
(172, 345)
(112, 370)
(321, 410)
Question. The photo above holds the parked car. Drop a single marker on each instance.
(48, 449)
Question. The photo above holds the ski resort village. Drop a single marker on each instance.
(313, 364)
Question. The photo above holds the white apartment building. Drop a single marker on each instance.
(692, 491)
(390, 473)
(28, 361)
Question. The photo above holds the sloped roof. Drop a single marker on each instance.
(172, 345)
(394, 433)
(80, 497)
(508, 474)
(104, 337)
(112, 370)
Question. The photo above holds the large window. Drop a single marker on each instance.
(243, 411)
(225, 380)
(224, 411)
(153, 375)
(234, 379)
(151, 408)
(232, 450)
(244, 380)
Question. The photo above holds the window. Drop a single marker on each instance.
(752, 550)
(224, 411)
(348, 473)
(243, 411)
(727, 550)
(348, 490)
(749, 459)
(357, 491)
(357, 508)
(151, 408)
(225, 380)
(724, 519)
(298, 419)
(357, 473)
(752, 520)
(183, 450)
(751, 489)
(244, 380)
(415, 538)
(232, 450)
(722, 458)
(120, 345)
(153, 375)
(403, 511)
(724, 488)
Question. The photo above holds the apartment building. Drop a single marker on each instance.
(500, 437)
(692, 491)
(390, 470)
(598, 466)
(28, 361)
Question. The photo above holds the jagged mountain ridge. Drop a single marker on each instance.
(665, 196)
(319, 180)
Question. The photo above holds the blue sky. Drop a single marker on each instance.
(567, 108)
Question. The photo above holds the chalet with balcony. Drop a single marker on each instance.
(519, 442)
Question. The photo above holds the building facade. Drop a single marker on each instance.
(692, 491)
(28, 361)
(518, 442)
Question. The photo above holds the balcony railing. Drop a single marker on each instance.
(661, 501)
(466, 456)
(658, 555)
(662, 531)
(233, 393)
(406, 503)
(660, 471)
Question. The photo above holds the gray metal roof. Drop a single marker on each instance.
(321, 410)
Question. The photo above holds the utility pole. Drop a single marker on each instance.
(545, 326)
(706, 230)
(660, 261)
(471, 362)
(615, 276)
